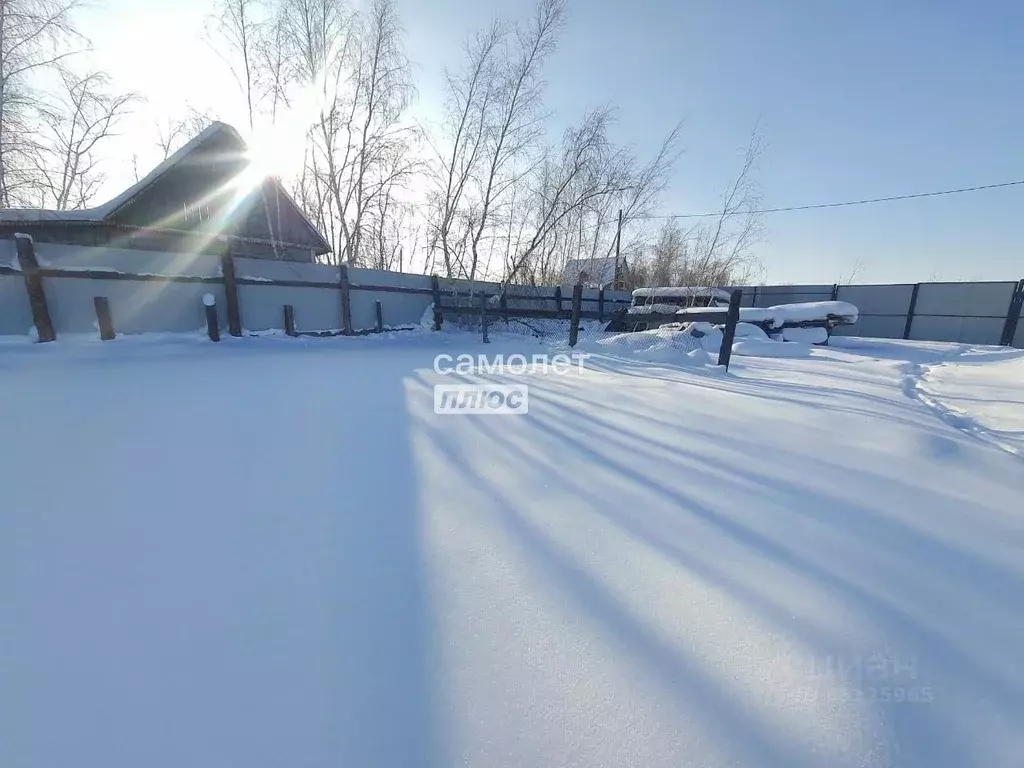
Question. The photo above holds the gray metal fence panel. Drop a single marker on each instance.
(316, 309)
(973, 299)
(971, 313)
(886, 300)
(874, 326)
(396, 308)
(15, 311)
(981, 330)
(964, 312)
(76, 257)
(136, 306)
(394, 279)
(770, 295)
(267, 269)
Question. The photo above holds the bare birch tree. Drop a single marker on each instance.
(35, 36)
(722, 252)
(519, 123)
(84, 116)
(235, 24)
(275, 70)
(172, 133)
(715, 253)
(587, 168)
(467, 107)
(381, 77)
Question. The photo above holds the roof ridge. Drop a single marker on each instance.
(107, 209)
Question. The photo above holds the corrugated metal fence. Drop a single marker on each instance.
(972, 313)
(151, 291)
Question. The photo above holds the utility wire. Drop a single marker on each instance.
(842, 204)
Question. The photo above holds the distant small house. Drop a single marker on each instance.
(200, 198)
(595, 273)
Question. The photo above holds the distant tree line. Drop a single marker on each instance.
(54, 114)
(482, 194)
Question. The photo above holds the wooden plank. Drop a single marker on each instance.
(558, 298)
(34, 287)
(380, 316)
(435, 287)
(289, 320)
(227, 263)
(513, 312)
(910, 310)
(483, 318)
(106, 323)
(733, 317)
(600, 304)
(107, 274)
(1012, 316)
(212, 326)
(391, 289)
(574, 324)
(346, 301)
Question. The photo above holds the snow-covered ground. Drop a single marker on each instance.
(975, 393)
(272, 552)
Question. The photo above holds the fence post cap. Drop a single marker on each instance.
(209, 300)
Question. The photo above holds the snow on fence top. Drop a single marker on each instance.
(681, 292)
(815, 310)
(832, 312)
(653, 309)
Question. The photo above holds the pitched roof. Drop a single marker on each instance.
(107, 211)
(600, 272)
(213, 129)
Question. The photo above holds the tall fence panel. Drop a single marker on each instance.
(137, 306)
(15, 311)
(770, 295)
(265, 286)
(883, 309)
(157, 291)
(973, 313)
(81, 258)
(403, 297)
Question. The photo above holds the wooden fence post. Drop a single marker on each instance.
(435, 286)
(212, 327)
(600, 304)
(289, 320)
(346, 301)
(483, 316)
(103, 317)
(380, 316)
(504, 305)
(227, 262)
(910, 310)
(731, 318)
(34, 286)
(1012, 315)
(577, 305)
(558, 298)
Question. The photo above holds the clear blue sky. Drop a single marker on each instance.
(855, 99)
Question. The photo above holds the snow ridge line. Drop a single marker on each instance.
(913, 377)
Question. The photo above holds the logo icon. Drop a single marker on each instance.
(486, 400)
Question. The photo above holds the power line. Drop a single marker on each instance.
(842, 204)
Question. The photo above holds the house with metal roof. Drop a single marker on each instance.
(594, 273)
(206, 195)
